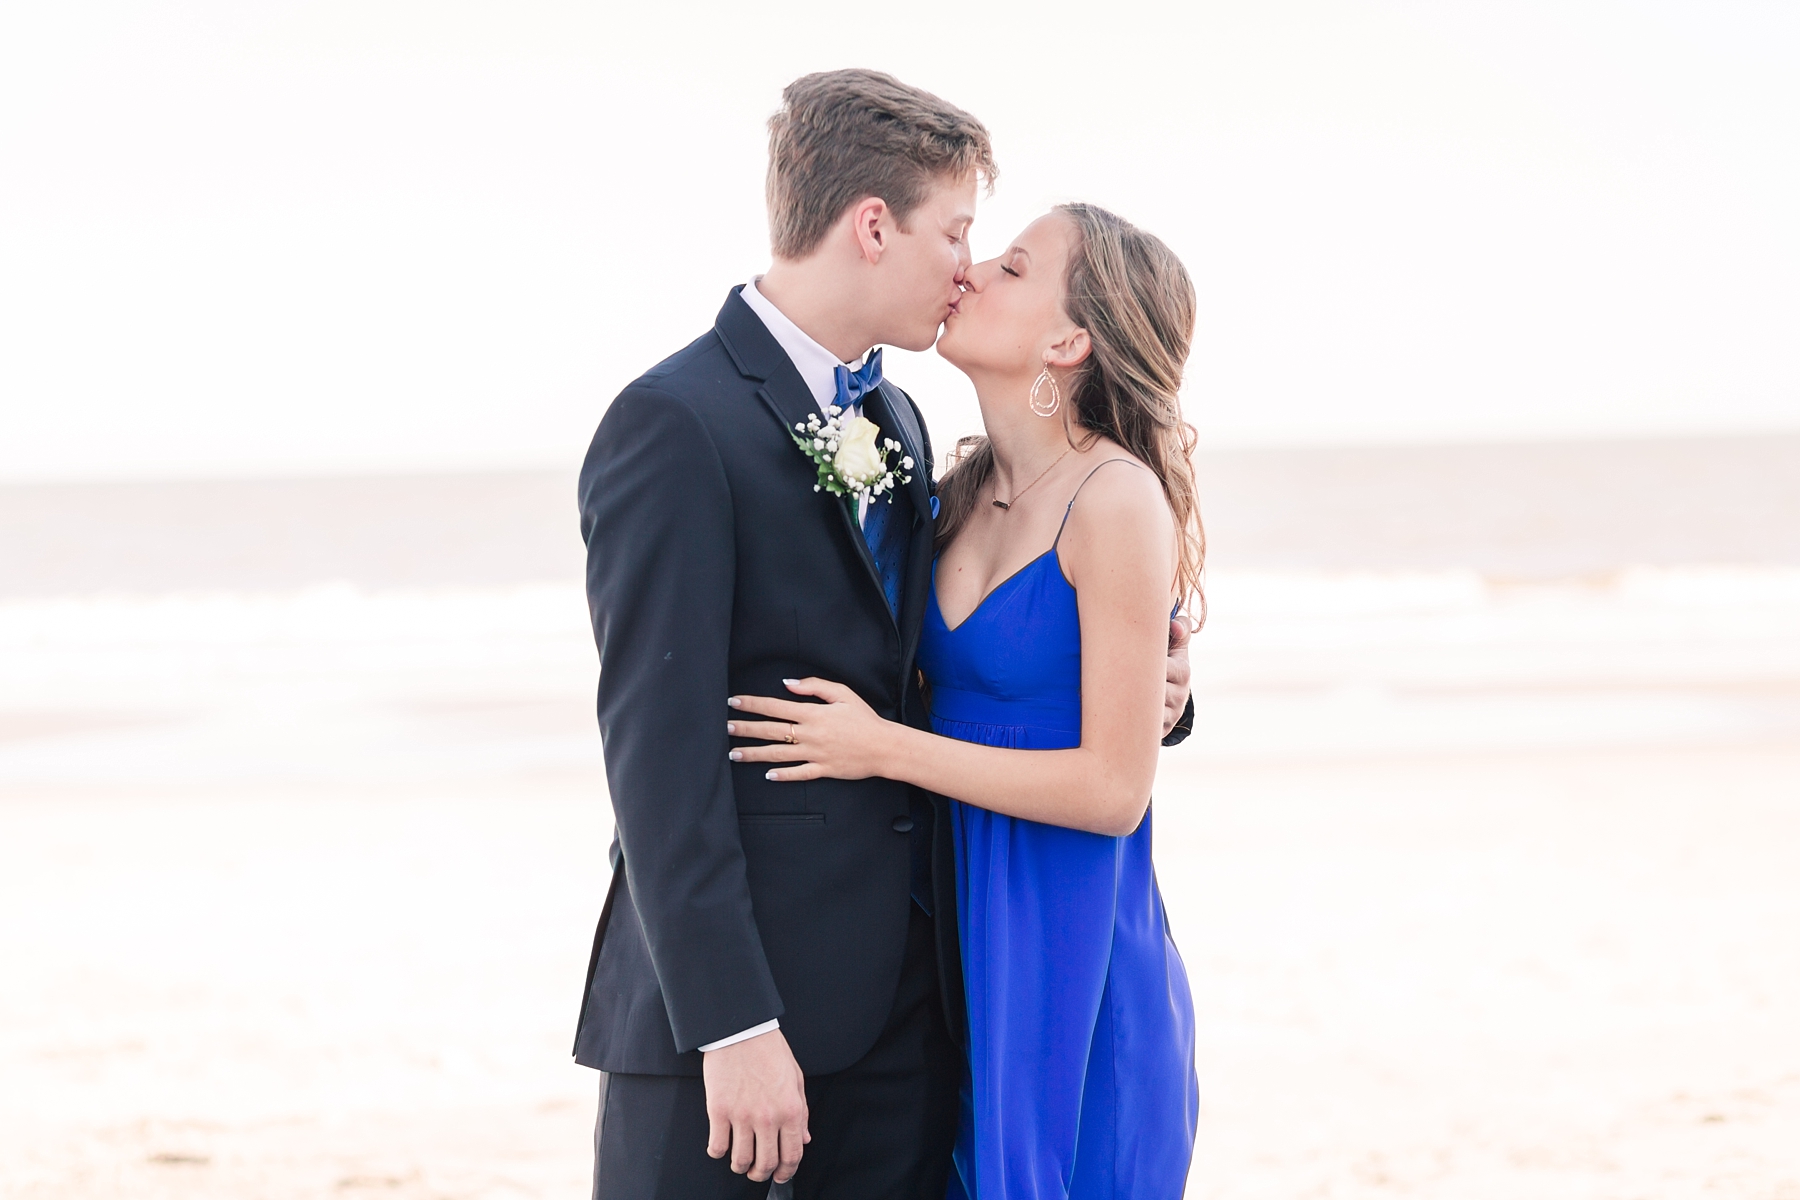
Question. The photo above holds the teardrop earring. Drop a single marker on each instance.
(1055, 395)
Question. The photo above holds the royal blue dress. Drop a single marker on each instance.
(1081, 1026)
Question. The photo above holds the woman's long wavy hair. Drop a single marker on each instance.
(1134, 298)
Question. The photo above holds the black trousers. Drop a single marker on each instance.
(882, 1129)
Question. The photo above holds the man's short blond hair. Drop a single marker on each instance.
(842, 136)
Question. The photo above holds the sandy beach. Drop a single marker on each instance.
(1482, 860)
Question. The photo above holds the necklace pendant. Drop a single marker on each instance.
(1002, 505)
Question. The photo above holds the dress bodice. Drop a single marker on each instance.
(1013, 666)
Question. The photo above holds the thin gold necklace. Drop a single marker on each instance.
(1006, 505)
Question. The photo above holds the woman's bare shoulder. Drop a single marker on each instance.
(1120, 510)
(1118, 486)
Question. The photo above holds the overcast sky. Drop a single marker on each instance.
(377, 234)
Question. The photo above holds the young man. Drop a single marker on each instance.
(776, 968)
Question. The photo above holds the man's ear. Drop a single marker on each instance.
(1071, 351)
(873, 225)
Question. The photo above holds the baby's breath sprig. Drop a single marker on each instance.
(850, 461)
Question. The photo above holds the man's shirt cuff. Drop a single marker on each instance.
(734, 1039)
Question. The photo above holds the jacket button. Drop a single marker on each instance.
(902, 824)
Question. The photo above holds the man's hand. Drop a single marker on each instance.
(756, 1103)
(1181, 674)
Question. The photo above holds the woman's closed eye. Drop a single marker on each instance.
(1010, 271)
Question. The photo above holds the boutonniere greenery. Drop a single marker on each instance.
(851, 461)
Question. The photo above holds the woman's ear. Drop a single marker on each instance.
(1071, 351)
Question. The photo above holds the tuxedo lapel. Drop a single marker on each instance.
(759, 356)
(792, 403)
(889, 408)
(905, 428)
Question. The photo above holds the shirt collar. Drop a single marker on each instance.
(817, 365)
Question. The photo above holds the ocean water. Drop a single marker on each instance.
(333, 685)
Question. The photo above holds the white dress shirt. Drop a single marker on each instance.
(818, 370)
(817, 365)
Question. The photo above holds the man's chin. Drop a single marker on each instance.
(919, 342)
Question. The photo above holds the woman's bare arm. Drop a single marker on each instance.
(1118, 552)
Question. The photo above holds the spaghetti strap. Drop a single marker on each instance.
(1078, 487)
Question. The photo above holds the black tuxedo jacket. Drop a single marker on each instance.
(714, 568)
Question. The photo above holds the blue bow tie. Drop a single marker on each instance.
(852, 386)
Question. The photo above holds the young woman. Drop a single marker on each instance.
(1064, 538)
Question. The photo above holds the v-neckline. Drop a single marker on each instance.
(982, 603)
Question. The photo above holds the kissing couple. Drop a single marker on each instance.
(883, 920)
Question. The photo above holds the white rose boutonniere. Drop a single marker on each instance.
(857, 456)
(851, 455)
